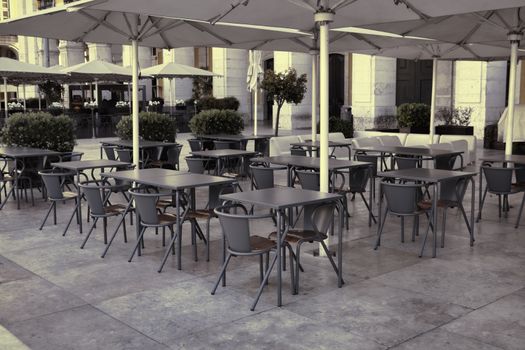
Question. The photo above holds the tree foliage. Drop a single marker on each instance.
(52, 91)
(284, 87)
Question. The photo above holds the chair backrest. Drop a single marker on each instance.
(222, 144)
(297, 151)
(309, 180)
(53, 181)
(389, 140)
(499, 180)
(445, 162)
(173, 154)
(110, 152)
(236, 229)
(369, 159)
(401, 198)
(453, 190)
(520, 173)
(262, 177)
(195, 145)
(124, 155)
(322, 218)
(94, 195)
(195, 165)
(215, 201)
(406, 162)
(358, 179)
(146, 206)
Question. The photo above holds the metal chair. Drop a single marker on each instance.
(402, 201)
(110, 152)
(171, 161)
(404, 162)
(262, 177)
(357, 183)
(373, 160)
(520, 173)
(499, 182)
(238, 241)
(195, 145)
(223, 144)
(196, 165)
(97, 196)
(446, 162)
(54, 183)
(124, 155)
(297, 151)
(5, 177)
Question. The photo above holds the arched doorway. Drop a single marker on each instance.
(9, 52)
(336, 84)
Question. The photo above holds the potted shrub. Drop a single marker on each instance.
(344, 126)
(385, 123)
(216, 121)
(180, 105)
(414, 118)
(122, 107)
(56, 108)
(456, 121)
(156, 105)
(15, 107)
(152, 127)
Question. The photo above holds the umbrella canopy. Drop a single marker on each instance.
(175, 70)
(97, 70)
(499, 28)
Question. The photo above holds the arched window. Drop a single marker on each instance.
(6, 51)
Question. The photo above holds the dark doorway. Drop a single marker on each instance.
(268, 107)
(414, 81)
(336, 84)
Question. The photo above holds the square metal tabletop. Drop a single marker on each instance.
(312, 162)
(142, 143)
(241, 137)
(410, 151)
(317, 144)
(222, 153)
(80, 165)
(426, 175)
(24, 152)
(139, 175)
(178, 181)
(502, 158)
(281, 198)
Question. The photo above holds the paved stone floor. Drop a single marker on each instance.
(55, 296)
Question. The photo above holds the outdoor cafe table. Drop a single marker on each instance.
(81, 165)
(175, 181)
(292, 162)
(143, 144)
(280, 200)
(316, 145)
(433, 177)
(17, 154)
(261, 141)
(223, 154)
(422, 152)
(496, 158)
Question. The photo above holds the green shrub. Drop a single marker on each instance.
(210, 102)
(215, 121)
(413, 115)
(152, 127)
(340, 125)
(39, 130)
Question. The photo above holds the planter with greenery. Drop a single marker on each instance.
(414, 118)
(210, 102)
(215, 121)
(39, 130)
(152, 127)
(336, 124)
(456, 121)
(283, 88)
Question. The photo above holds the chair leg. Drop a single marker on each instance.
(482, 203)
(415, 228)
(105, 230)
(75, 213)
(264, 282)
(139, 240)
(261, 268)
(292, 277)
(171, 247)
(54, 213)
(122, 221)
(47, 215)
(89, 232)
(443, 228)
(425, 238)
(330, 258)
(380, 229)
(402, 229)
(283, 257)
(221, 273)
(499, 206)
(208, 238)
(368, 207)
(521, 210)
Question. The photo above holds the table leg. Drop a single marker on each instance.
(370, 196)
(434, 218)
(480, 191)
(79, 213)
(340, 252)
(193, 228)
(472, 210)
(278, 255)
(16, 186)
(178, 232)
(218, 167)
(12, 190)
(289, 181)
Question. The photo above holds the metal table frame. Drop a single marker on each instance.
(311, 145)
(224, 154)
(261, 141)
(129, 144)
(282, 200)
(433, 177)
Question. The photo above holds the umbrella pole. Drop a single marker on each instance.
(24, 95)
(135, 101)
(314, 96)
(433, 100)
(5, 99)
(39, 98)
(324, 18)
(171, 96)
(514, 43)
(255, 93)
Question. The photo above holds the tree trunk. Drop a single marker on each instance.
(277, 120)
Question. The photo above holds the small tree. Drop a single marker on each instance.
(284, 87)
(52, 91)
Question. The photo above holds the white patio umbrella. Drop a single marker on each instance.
(442, 51)
(172, 70)
(121, 27)
(303, 15)
(503, 28)
(255, 70)
(21, 73)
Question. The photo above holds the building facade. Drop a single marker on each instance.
(372, 86)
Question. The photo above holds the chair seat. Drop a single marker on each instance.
(258, 243)
(116, 209)
(7, 178)
(69, 195)
(518, 187)
(167, 219)
(295, 236)
(231, 175)
(427, 204)
(202, 214)
(164, 203)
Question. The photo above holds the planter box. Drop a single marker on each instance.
(415, 130)
(383, 130)
(454, 130)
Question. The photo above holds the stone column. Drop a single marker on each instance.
(444, 85)
(295, 116)
(70, 54)
(373, 89)
(182, 88)
(232, 65)
(101, 52)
